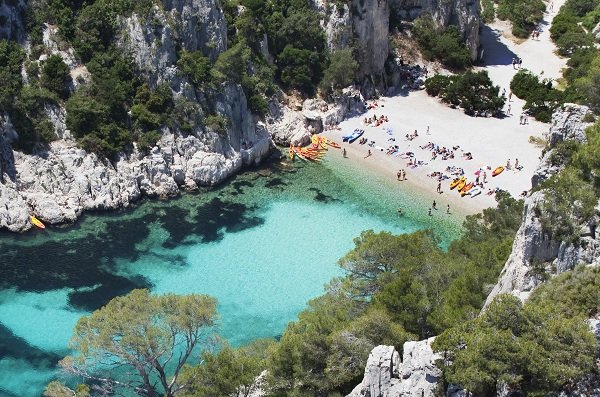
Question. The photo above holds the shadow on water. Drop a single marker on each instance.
(275, 183)
(17, 348)
(495, 53)
(217, 216)
(322, 197)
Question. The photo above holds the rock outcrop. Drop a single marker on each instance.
(11, 20)
(463, 14)
(370, 23)
(386, 376)
(534, 253)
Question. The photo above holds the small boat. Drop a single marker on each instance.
(346, 137)
(497, 171)
(355, 135)
(475, 192)
(37, 222)
(461, 185)
(456, 182)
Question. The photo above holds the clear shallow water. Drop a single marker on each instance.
(263, 244)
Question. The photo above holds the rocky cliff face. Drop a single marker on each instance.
(386, 376)
(11, 20)
(58, 185)
(462, 13)
(533, 251)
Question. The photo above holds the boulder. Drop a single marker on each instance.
(386, 376)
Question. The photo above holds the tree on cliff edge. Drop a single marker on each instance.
(141, 342)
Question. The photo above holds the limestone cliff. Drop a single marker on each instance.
(463, 14)
(59, 184)
(534, 253)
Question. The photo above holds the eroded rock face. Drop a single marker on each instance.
(386, 376)
(462, 13)
(370, 23)
(11, 20)
(533, 250)
(153, 40)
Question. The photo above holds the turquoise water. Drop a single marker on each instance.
(263, 244)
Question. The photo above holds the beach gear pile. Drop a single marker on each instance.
(314, 152)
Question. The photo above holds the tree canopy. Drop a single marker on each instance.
(141, 342)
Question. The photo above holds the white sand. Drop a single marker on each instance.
(491, 141)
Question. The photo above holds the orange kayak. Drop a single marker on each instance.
(37, 222)
(461, 185)
(497, 171)
(466, 189)
(333, 144)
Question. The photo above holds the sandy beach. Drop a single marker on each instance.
(491, 141)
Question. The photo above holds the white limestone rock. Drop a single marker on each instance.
(568, 124)
(386, 376)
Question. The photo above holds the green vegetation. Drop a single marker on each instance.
(341, 71)
(442, 44)
(532, 347)
(473, 92)
(523, 14)
(571, 27)
(152, 336)
(487, 11)
(541, 99)
(396, 288)
(55, 76)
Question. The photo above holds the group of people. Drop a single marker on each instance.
(376, 120)
(535, 34)
(524, 118)
(410, 137)
(401, 175)
(517, 63)
(518, 166)
(436, 150)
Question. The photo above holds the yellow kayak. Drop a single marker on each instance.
(456, 182)
(461, 184)
(37, 222)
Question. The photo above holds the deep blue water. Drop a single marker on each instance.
(263, 244)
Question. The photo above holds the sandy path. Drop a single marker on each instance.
(492, 141)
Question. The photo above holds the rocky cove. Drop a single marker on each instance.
(61, 182)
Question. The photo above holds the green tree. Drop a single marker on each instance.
(196, 66)
(532, 347)
(341, 71)
(229, 372)
(153, 336)
(55, 76)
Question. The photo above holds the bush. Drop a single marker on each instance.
(147, 140)
(541, 99)
(474, 92)
(533, 347)
(524, 14)
(217, 123)
(341, 71)
(55, 76)
(196, 66)
(444, 45)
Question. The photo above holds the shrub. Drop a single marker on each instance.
(443, 44)
(341, 71)
(196, 66)
(147, 140)
(55, 76)
(524, 14)
(541, 99)
(437, 84)
(474, 92)
(217, 123)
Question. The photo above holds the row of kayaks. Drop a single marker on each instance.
(465, 187)
(314, 152)
(357, 133)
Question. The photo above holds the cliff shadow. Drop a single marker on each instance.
(494, 52)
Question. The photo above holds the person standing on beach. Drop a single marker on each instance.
(429, 212)
(439, 187)
(508, 110)
(344, 153)
(403, 175)
(448, 209)
(484, 177)
(434, 205)
(509, 96)
(517, 163)
(399, 174)
(368, 153)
